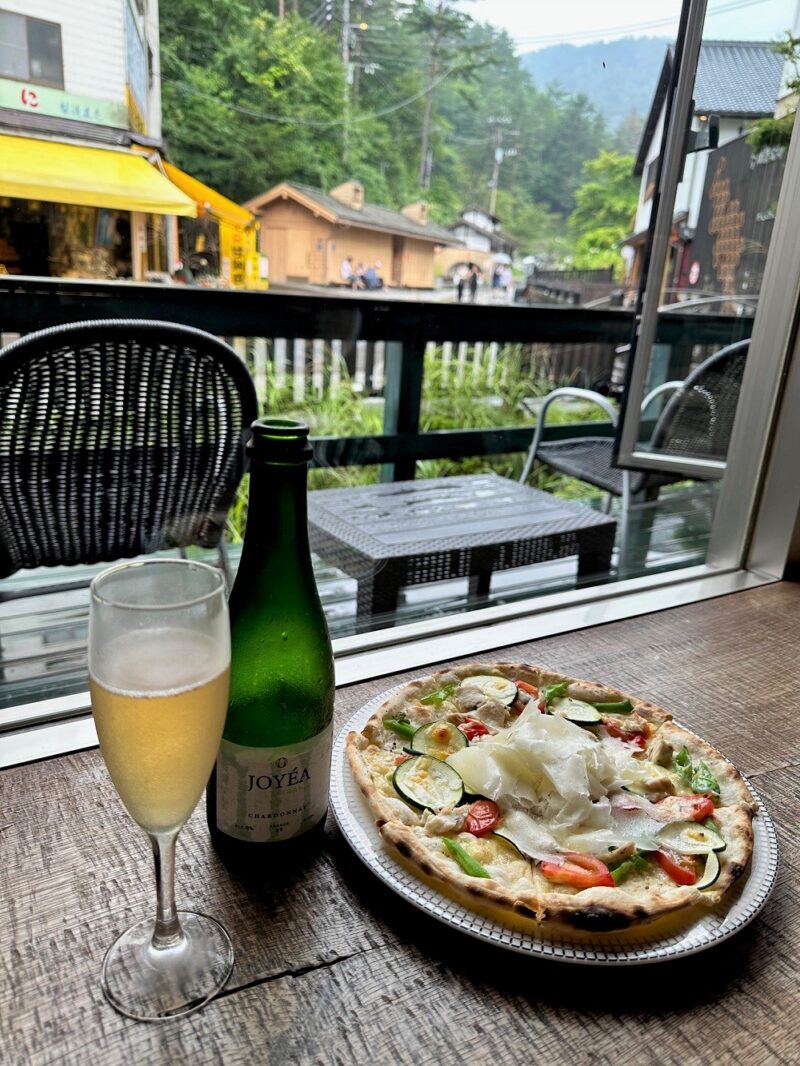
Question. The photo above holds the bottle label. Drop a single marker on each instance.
(270, 794)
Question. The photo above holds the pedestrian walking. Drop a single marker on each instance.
(474, 274)
(461, 277)
(507, 283)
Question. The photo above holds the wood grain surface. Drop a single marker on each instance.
(332, 967)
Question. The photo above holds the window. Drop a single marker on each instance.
(402, 396)
(30, 50)
(650, 178)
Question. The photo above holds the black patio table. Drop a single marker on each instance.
(387, 536)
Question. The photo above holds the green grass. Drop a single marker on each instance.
(452, 398)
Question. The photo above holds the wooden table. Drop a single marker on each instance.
(334, 968)
(413, 532)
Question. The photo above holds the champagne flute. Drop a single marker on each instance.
(159, 673)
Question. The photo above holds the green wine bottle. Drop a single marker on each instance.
(270, 782)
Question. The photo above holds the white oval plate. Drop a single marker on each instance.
(738, 907)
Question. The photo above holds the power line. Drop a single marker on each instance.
(288, 120)
(557, 38)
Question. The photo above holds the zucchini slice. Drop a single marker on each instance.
(498, 688)
(690, 838)
(576, 711)
(508, 843)
(711, 872)
(439, 739)
(428, 783)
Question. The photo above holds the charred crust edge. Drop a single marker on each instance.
(600, 919)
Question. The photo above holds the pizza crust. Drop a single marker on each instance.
(518, 886)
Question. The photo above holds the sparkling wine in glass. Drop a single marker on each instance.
(159, 673)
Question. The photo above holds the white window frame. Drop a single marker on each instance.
(755, 519)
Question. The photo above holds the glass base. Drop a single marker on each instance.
(155, 984)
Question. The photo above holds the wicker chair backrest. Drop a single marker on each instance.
(698, 419)
(117, 438)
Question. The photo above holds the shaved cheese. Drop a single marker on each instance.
(529, 834)
(638, 773)
(544, 764)
(558, 787)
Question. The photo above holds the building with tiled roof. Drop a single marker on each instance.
(737, 82)
(309, 235)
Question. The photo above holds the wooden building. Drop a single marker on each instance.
(308, 234)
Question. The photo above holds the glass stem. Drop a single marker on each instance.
(167, 933)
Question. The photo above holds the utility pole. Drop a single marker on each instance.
(348, 78)
(281, 9)
(346, 33)
(425, 158)
(499, 125)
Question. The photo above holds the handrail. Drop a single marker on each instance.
(27, 303)
(406, 326)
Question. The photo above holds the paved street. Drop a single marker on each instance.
(445, 294)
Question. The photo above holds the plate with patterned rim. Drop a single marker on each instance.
(669, 939)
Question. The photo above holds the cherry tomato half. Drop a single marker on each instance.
(581, 871)
(482, 818)
(686, 808)
(630, 736)
(530, 689)
(472, 728)
(681, 869)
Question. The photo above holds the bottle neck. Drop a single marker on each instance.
(277, 513)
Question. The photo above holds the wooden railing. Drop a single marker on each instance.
(305, 338)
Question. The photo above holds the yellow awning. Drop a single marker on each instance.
(218, 205)
(95, 177)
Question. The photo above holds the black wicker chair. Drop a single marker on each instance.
(696, 420)
(117, 438)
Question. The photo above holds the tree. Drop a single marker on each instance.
(444, 29)
(249, 99)
(777, 132)
(604, 208)
(629, 134)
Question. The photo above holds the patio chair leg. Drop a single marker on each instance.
(607, 503)
(622, 557)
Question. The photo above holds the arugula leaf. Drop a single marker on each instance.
(703, 780)
(699, 778)
(441, 694)
(683, 759)
(683, 764)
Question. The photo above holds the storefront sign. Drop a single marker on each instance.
(40, 100)
(136, 68)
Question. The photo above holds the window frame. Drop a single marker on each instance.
(756, 516)
(28, 19)
(758, 502)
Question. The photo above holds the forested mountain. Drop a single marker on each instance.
(417, 101)
(617, 76)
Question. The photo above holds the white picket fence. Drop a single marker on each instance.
(313, 367)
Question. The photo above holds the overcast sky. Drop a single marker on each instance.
(536, 23)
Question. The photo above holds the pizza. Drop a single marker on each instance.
(564, 801)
